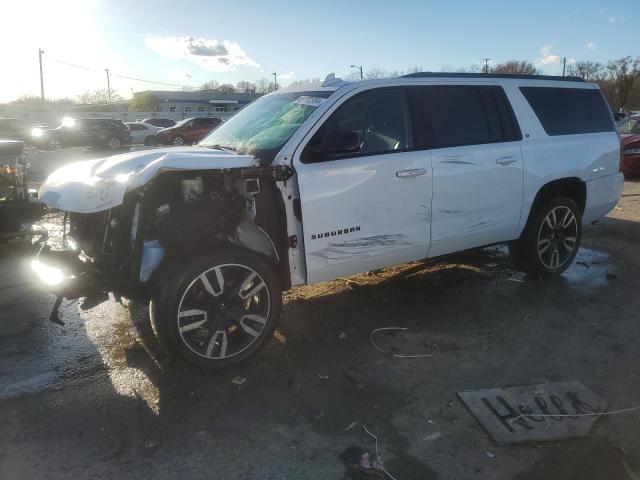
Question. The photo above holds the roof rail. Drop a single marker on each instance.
(491, 75)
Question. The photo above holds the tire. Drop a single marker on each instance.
(178, 140)
(114, 143)
(551, 239)
(213, 326)
(151, 141)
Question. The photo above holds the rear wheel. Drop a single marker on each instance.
(219, 310)
(551, 239)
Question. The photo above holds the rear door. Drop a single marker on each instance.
(365, 194)
(477, 164)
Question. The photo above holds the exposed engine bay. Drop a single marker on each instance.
(166, 222)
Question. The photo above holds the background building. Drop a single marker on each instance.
(201, 103)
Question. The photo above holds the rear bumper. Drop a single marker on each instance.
(602, 195)
(631, 165)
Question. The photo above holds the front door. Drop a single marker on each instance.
(365, 198)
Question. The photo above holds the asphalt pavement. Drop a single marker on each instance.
(98, 398)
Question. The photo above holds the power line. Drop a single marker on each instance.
(89, 69)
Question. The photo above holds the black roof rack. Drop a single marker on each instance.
(491, 75)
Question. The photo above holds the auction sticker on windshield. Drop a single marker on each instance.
(310, 101)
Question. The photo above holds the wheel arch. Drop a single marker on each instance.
(571, 187)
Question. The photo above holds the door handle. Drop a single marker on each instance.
(414, 172)
(508, 160)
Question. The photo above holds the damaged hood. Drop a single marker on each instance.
(95, 185)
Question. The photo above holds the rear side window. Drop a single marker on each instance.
(448, 116)
(569, 111)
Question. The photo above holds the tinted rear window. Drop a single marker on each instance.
(447, 116)
(568, 111)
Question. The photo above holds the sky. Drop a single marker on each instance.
(188, 42)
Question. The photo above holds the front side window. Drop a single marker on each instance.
(264, 126)
(372, 122)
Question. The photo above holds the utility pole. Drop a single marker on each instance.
(108, 84)
(486, 65)
(564, 65)
(40, 52)
(359, 67)
(275, 81)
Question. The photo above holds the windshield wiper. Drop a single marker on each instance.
(220, 147)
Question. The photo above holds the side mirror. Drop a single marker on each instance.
(340, 143)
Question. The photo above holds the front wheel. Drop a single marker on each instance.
(551, 239)
(178, 140)
(219, 310)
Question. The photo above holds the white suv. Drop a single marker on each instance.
(309, 184)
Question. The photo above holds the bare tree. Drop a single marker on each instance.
(226, 88)
(99, 96)
(515, 67)
(263, 86)
(376, 73)
(587, 70)
(210, 85)
(245, 87)
(625, 73)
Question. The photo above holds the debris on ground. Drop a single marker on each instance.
(151, 444)
(395, 355)
(491, 455)
(359, 465)
(112, 454)
(239, 380)
(342, 336)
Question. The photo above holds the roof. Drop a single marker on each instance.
(491, 75)
(199, 95)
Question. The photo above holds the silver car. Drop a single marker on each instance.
(143, 133)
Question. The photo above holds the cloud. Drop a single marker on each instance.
(591, 45)
(288, 76)
(619, 19)
(207, 53)
(547, 58)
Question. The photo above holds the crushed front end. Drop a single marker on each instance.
(155, 228)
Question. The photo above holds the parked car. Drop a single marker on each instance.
(188, 131)
(15, 129)
(159, 122)
(143, 133)
(85, 132)
(629, 129)
(307, 185)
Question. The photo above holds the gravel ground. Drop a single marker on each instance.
(97, 398)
